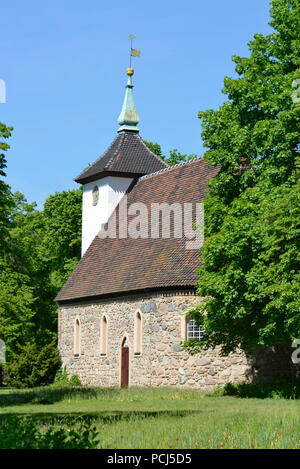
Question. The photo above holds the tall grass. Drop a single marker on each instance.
(144, 418)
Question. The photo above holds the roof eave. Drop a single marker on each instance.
(103, 174)
(113, 295)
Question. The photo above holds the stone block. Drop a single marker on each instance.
(202, 361)
(176, 348)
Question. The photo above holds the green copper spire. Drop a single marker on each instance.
(128, 119)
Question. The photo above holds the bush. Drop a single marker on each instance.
(27, 433)
(31, 366)
(61, 379)
(261, 391)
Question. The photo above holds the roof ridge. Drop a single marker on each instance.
(116, 152)
(151, 152)
(101, 156)
(170, 168)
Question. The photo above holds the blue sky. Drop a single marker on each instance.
(64, 64)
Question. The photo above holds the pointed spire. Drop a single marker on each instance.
(128, 119)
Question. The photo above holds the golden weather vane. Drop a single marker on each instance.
(133, 52)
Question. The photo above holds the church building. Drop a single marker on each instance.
(123, 310)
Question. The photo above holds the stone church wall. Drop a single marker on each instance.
(162, 361)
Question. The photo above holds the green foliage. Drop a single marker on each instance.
(27, 433)
(249, 278)
(155, 148)
(47, 243)
(174, 157)
(75, 381)
(58, 253)
(44, 248)
(62, 218)
(5, 193)
(16, 293)
(192, 346)
(32, 366)
(16, 307)
(61, 379)
(260, 391)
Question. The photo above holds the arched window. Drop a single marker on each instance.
(95, 194)
(77, 338)
(138, 334)
(103, 336)
(193, 330)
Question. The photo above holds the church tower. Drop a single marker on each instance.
(106, 181)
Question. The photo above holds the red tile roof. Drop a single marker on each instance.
(115, 266)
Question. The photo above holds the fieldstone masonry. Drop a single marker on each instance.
(162, 361)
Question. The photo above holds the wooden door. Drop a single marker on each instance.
(124, 365)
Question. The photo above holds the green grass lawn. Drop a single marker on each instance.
(158, 418)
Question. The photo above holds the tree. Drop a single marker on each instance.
(16, 295)
(249, 277)
(45, 245)
(17, 312)
(5, 193)
(174, 157)
(38, 251)
(62, 222)
(32, 366)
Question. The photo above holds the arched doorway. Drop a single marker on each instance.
(124, 363)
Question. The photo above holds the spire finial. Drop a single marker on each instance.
(128, 119)
(130, 72)
(133, 52)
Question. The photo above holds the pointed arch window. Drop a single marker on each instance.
(103, 336)
(77, 338)
(138, 334)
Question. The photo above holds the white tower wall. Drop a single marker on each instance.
(111, 190)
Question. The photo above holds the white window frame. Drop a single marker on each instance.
(193, 331)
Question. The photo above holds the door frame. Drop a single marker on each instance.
(125, 336)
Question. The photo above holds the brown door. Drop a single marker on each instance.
(124, 364)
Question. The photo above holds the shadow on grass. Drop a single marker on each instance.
(260, 391)
(52, 395)
(104, 417)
